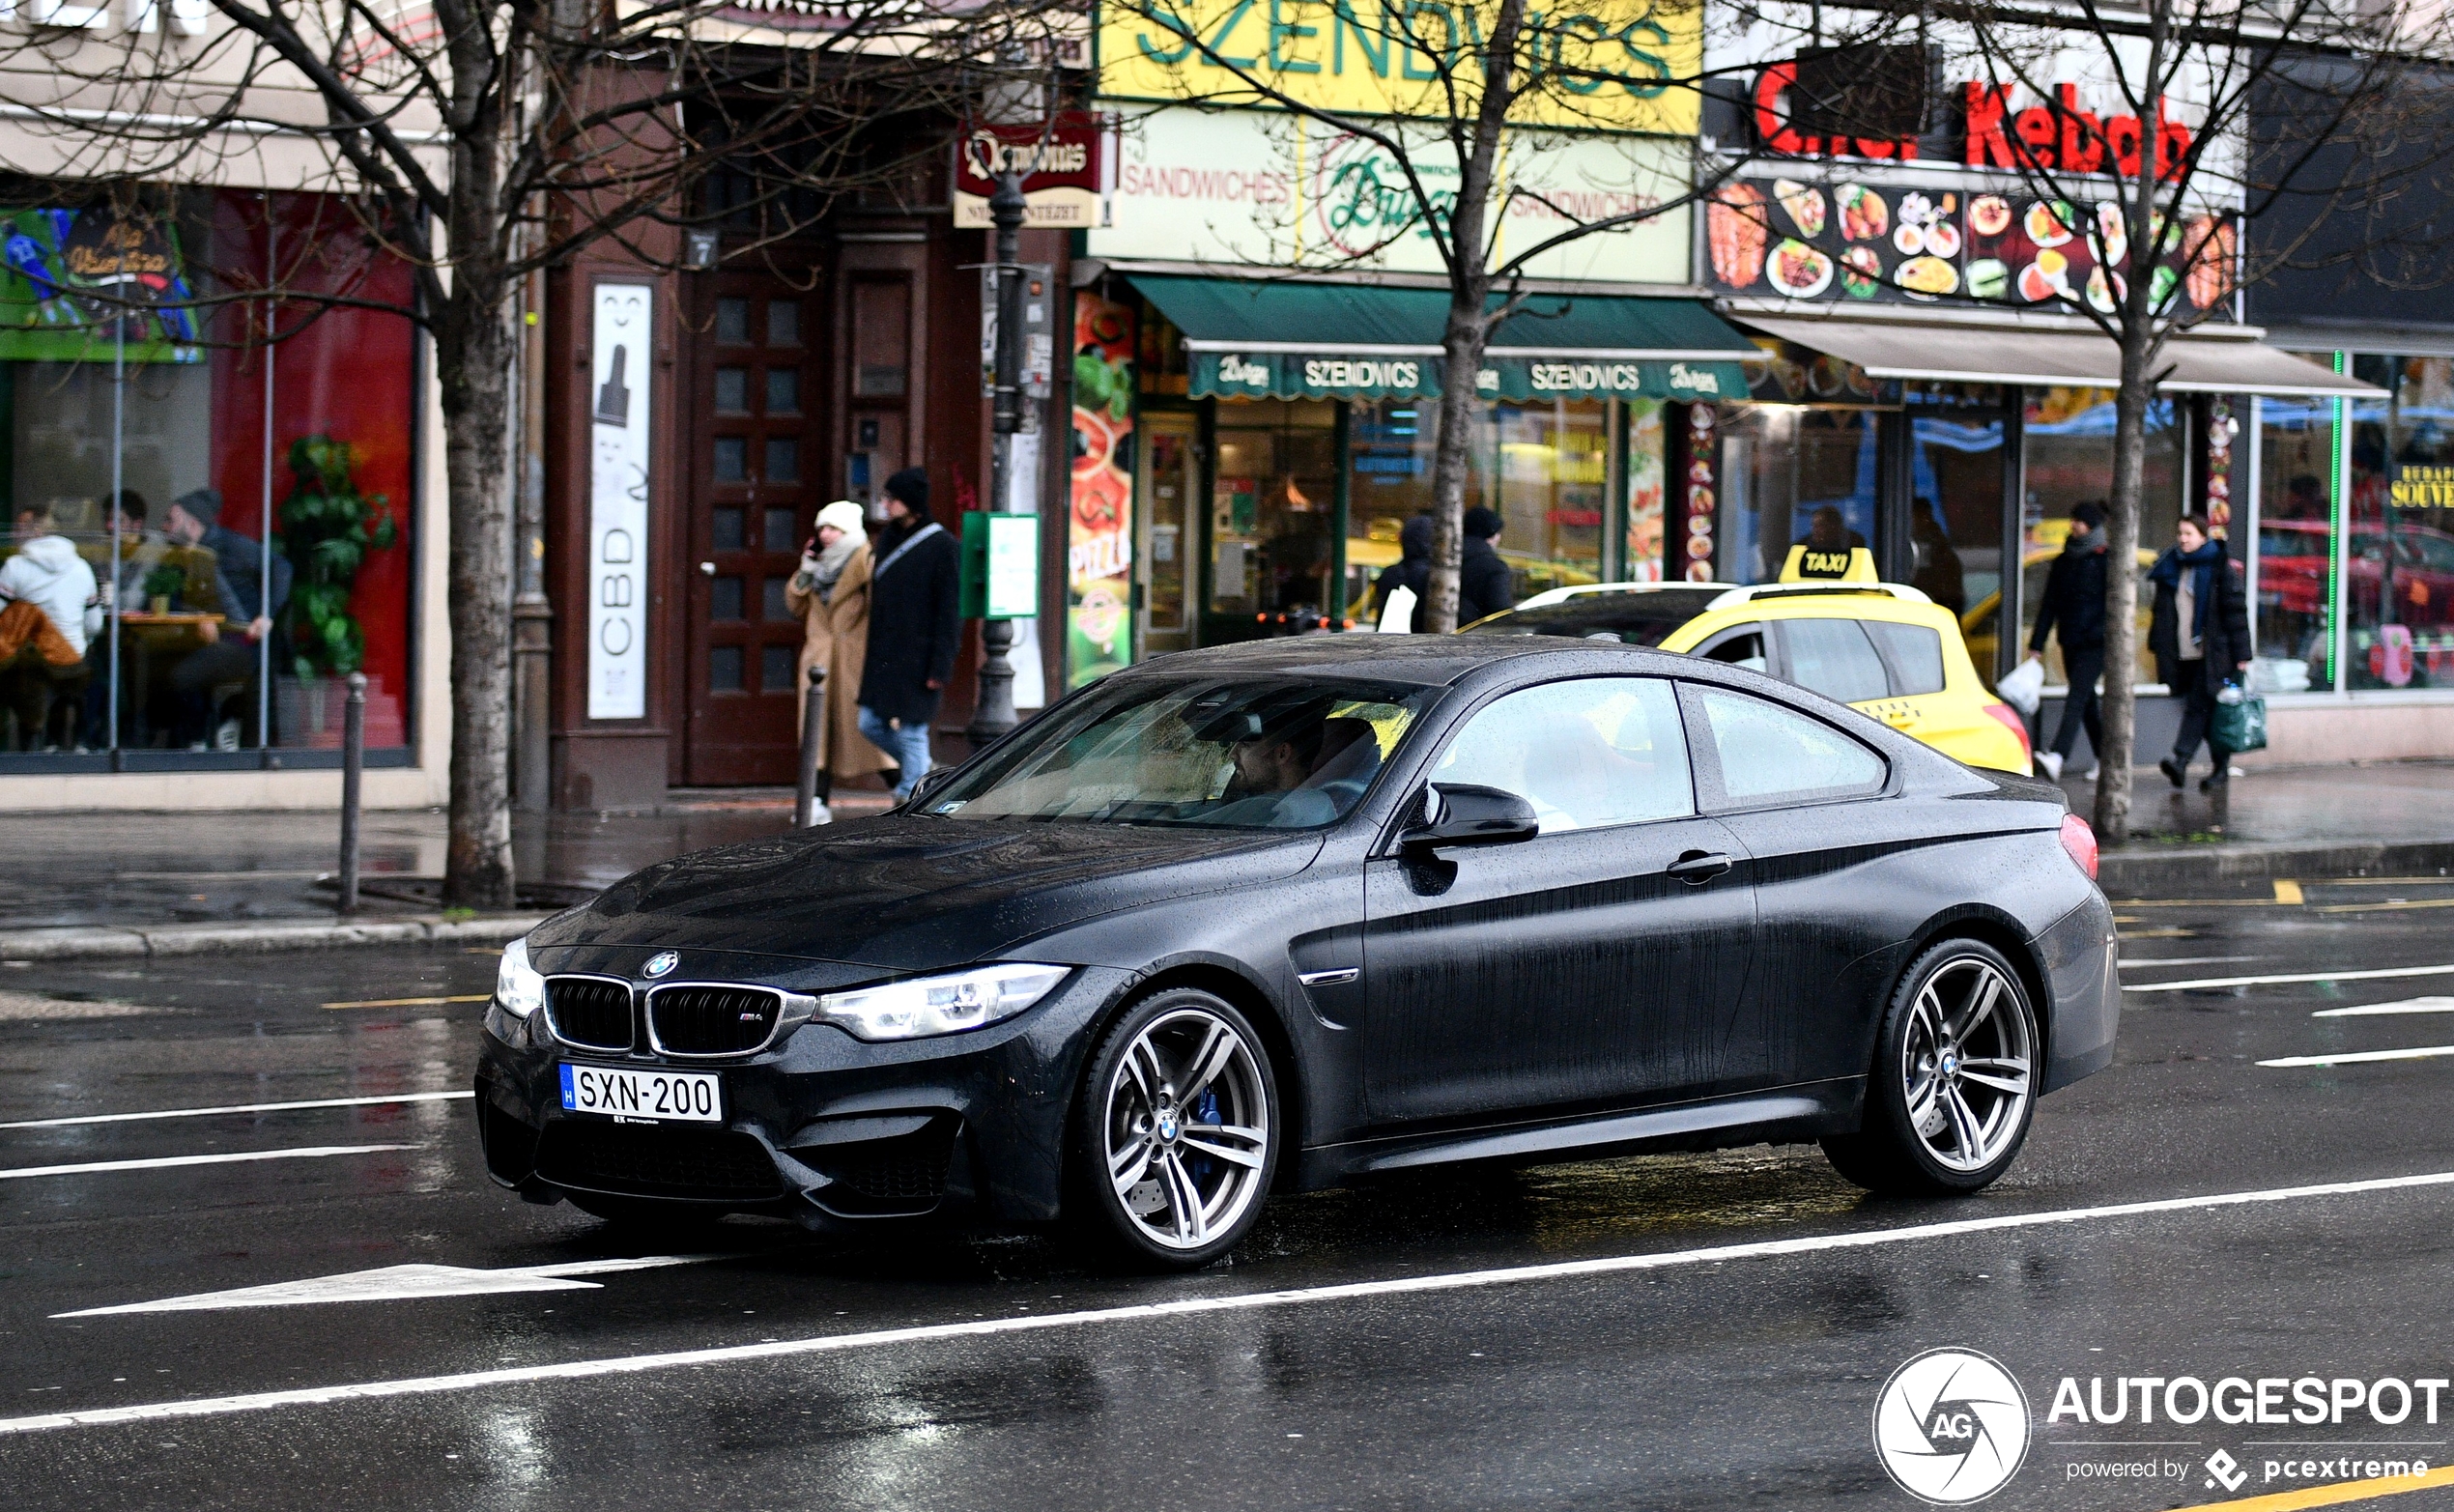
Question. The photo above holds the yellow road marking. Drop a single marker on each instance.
(2287, 890)
(411, 1002)
(2379, 909)
(2195, 902)
(2333, 1496)
(2159, 934)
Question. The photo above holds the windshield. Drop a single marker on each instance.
(1223, 753)
(1642, 619)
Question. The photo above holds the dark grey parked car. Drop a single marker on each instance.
(1277, 916)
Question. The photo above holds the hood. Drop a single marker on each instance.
(906, 894)
(55, 555)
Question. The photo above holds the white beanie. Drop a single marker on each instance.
(845, 515)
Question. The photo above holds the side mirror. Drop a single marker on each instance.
(1464, 813)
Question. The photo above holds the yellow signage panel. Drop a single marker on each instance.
(1594, 64)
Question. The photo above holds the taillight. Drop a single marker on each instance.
(2081, 843)
(2012, 722)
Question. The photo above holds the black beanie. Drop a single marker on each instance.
(911, 486)
(1482, 524)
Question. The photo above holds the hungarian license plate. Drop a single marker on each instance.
(646, 1097)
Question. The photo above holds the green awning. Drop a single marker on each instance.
(1252, 339)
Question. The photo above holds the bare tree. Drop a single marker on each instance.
(1469, 79)
(2176, 163)
(486, 140)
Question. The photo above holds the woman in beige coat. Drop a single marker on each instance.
(830, 594)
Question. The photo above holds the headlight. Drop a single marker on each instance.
(940, 1004)
(518, 986)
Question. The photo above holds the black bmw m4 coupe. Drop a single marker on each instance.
(1285, 915)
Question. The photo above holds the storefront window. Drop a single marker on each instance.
(1780, 464)
(1647, 487)
(2400, 565)
(1274, 500)
(1390, 451)
(210, 634)
(2068, 435)
(2296, 459)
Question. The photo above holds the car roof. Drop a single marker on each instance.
(1428, 661)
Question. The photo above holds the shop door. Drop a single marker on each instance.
(1171, 481)
(751, 447)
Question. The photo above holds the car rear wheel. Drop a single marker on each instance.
(1176, 1134)
(1953, 1087)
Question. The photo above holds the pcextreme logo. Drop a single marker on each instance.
(1950, 1427)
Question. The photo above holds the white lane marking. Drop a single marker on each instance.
(2351, 1057)
(90, 1167)
(399, 1283)
(2409, 1005)
(780, 1349)
(2298, 976)
(2129, 963)
(240, 1108)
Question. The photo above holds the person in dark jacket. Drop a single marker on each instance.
(248, 606)
(2074, 607)
(1483, 585)
(1412, 570)
(915, 628)
(2199, 636)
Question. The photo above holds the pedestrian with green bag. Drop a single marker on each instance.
(2199, 636)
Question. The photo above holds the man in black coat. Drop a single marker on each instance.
(1483, 584)
(2073, 605)
(2200, 636)
(915, 628)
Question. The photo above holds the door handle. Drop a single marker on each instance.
(1698, 867)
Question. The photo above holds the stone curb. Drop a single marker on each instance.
(270, 934)
(2141, 870)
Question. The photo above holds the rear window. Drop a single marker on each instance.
(1914, 654)
(1833, 657)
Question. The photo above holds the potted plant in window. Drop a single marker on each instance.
(327, 530)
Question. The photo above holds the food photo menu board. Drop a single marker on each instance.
(1812, 240)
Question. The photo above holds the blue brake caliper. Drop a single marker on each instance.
(1204, 1111)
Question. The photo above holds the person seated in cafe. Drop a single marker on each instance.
(50, 610)
(141, 550)
(245, 605)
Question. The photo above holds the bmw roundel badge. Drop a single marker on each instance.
(661, 962)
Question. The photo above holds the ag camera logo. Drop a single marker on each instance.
(1950, 1427)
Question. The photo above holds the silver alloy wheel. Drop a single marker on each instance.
(1187, 1128)
(1966, 1064)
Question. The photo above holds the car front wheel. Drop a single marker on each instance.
(1953, 1086)
(1175, 1135)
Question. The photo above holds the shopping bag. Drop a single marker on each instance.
(1397, 616)
(2241, 725)
(2023, 688)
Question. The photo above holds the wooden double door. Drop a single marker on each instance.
(755, 438)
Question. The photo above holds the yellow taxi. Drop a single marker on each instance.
(1883, 648)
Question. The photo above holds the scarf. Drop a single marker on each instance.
(2202, 566)
(830, 566)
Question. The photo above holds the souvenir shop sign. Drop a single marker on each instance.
(1604, 65)
(1322, 375)
(1832, 240)
(76, 284)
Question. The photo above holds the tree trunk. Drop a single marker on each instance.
(1462, 346)
(2121, 592)
(473, 356)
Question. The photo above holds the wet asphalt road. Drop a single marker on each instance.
(1695, 1382)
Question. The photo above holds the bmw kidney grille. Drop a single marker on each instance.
(689, 1019)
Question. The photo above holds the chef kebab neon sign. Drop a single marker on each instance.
(2060, 136)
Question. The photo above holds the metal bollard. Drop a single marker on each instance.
(805, 799)
(353, 780)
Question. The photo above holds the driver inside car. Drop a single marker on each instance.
(1295, 766)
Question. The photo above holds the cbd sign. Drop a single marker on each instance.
(2066, 137)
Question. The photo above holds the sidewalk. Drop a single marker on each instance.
(148, 884)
